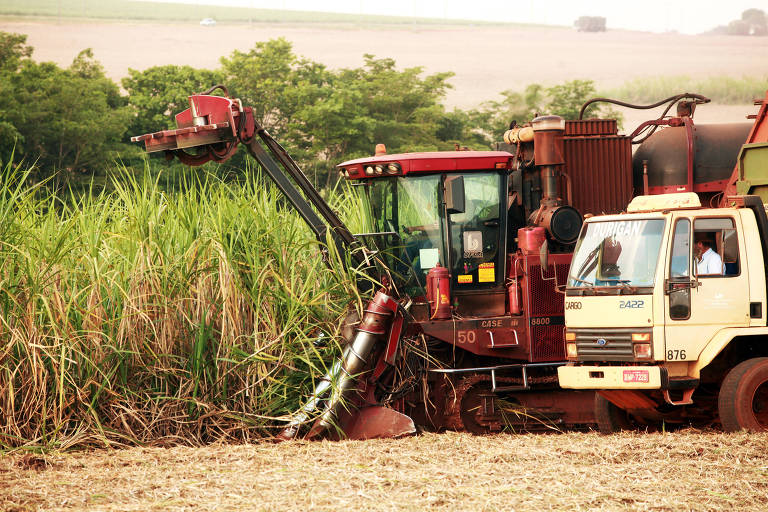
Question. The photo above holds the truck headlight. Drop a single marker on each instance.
(642, 350)
(570, 350)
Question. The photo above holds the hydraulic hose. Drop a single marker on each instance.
(671, 100)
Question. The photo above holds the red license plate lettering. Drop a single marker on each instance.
(636, 376)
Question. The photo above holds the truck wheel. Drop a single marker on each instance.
(610, 418)
(743, 398)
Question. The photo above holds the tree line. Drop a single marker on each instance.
(73, 124)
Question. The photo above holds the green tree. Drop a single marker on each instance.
(494, 117)
(406, 108)
(13, 51)
(324, 116)
(272, 80)
(354, 109)
(566, 99)
(490, 121)
(756, 21)
(738, 28)
(71, 121)
(325, 128)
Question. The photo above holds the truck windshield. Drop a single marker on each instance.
(617, 254)
(406, 216)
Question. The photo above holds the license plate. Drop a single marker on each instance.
(636, 376)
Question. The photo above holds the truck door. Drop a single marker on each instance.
(705, 288)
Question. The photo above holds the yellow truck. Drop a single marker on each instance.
(665, 313)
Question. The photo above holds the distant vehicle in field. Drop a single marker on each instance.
(208, 22)
(590, 24)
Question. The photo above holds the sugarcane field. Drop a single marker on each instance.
(414, 256)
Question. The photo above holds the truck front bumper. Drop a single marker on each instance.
(612, 377)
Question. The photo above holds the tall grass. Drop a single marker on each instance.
(137, 316)
(723, 90)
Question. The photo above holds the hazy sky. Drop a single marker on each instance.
(686, 16)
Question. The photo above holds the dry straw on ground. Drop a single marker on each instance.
(688, 470)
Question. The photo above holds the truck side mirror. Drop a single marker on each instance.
(454, 194)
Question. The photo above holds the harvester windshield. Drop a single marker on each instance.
(408, 216)
(619, 255)
(406, 211)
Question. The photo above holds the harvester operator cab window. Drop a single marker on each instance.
(715, 248)
(410, 209)
(475, 233)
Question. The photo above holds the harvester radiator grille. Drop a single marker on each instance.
(546, 312)
(590, 127)
(548, 343)
(544, 299)
(600, 170)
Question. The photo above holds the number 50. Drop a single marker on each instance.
(466, 337)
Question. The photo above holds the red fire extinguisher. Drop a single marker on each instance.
(439, 292)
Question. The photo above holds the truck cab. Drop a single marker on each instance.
(666, 312)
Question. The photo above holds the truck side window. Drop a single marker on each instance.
(681, 250)
(716, 250)
(679, 272)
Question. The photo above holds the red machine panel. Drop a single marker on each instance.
(584, 127)
(545, 306)
(600, 172)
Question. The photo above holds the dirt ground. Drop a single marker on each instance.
(486, 60)
(687, 470)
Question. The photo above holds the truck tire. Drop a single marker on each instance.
(743, 399)
(610, 418)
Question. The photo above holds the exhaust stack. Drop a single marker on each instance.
(562, 221)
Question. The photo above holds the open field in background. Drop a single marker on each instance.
(165, 12)
(661, 472)
(486, 60)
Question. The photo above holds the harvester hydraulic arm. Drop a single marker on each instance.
(214, 125)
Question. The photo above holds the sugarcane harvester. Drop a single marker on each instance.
(471, 249)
